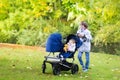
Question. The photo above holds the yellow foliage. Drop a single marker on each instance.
(40, 8)
(46, 29)
(43, 3)
(98, 10)
(1, 5)
(58, 13)
(48, 8)
(37, 15)
(107, 34)
(24, 0)
(110, 13)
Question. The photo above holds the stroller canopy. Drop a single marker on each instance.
(54, 43)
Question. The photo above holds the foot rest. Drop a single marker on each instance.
(54, 59)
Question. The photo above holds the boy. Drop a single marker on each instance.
(85, 36)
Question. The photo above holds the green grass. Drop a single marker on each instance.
(25, 64)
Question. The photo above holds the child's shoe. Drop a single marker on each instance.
(85, 70)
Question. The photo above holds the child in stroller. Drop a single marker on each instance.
(70, 46)
(59, 63)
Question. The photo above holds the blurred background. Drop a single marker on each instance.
(30, 22)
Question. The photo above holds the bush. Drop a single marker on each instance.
(113, 48)
(3, 36)
(31, 37)
(117, 51)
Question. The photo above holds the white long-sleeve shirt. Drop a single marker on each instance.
(86, 46)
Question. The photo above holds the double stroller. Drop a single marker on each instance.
(55, 45)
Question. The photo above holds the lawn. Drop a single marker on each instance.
(25, 64)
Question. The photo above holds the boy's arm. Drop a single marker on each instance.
(88, 36)
(80, 35)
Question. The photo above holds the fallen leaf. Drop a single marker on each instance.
(65, 75)
(29, 68)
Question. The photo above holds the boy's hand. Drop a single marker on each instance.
(80, 35)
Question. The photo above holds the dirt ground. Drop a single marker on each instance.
(14, 46)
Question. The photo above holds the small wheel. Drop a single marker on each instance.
(74, 69)
(56, 70)
(43, 67)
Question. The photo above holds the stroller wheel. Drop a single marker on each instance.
(56, 70)
(43, 67)
(74, 69)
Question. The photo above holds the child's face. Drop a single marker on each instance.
(72, 41)
(82, 27)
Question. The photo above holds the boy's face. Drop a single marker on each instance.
(82, 27)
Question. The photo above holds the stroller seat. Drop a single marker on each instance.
(70, 54)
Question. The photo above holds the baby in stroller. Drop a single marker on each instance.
(68, 49)
(55, 44)
(70, 46)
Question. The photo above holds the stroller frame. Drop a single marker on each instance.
(59, 64)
